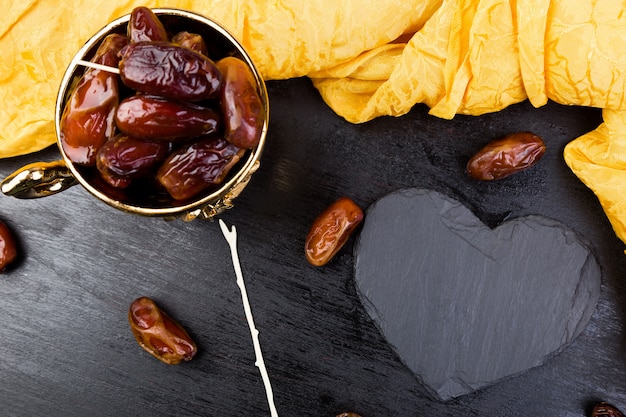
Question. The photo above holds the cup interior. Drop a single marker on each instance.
(146, 197)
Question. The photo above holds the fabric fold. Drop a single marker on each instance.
(598, 158)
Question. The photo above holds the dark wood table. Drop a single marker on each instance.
(65, 344)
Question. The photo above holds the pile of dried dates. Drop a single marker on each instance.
(171, 114)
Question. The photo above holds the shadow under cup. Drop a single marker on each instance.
(144, 197)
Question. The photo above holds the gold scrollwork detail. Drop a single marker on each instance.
(209, 211)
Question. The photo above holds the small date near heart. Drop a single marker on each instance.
(330, 231)
(505, 156)
(605, 410)
(158, 333)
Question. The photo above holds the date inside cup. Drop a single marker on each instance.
(161, 113)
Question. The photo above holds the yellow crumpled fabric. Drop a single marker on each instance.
(286, 39)
(370, 58)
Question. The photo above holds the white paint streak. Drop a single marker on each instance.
(231, 238)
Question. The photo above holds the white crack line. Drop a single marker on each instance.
(231, 238)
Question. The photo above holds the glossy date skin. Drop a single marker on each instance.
(169, 70)
(241, 105)
(508, 155)
(198, 166)
(606, 410)
(158, 333)
(191, 41)
(331, 230)
(88, 119)
(123, 159)
(144, 25)
(8, 246)
(157, 118)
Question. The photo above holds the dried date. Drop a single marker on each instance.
(157, 118)
(124, 158)
(8, 246)
(505, 156)
(170, 99)
(158, 333)
(605, 410)
(198, 166)
(242, 108)
(331, 230)
(191, 41)
(169, 70)
(144, 25)
(88, 119)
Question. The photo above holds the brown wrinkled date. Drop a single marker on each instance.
(331, 230)
(191, 41)
(144, 25)
(605, 410)
(88, 119)
(169, 70)
(159, 118)
(8, 246)
(125, 158)
(158, 333)
(241, 105)
(508, 155)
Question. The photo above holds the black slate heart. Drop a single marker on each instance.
(464, 305)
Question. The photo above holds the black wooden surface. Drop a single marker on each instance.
(66, 348)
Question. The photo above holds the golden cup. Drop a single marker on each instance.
(41, 179)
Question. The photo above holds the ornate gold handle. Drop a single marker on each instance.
(39, 179)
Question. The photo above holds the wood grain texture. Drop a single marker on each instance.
(66, 348)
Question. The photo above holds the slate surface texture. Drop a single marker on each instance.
(464, 305)
(66, 348)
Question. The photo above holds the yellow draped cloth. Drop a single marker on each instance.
(370, 58)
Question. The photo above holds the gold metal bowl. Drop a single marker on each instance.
(42, 179)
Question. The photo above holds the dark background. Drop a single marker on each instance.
(65, 344)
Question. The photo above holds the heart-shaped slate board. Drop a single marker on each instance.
(464, 305)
